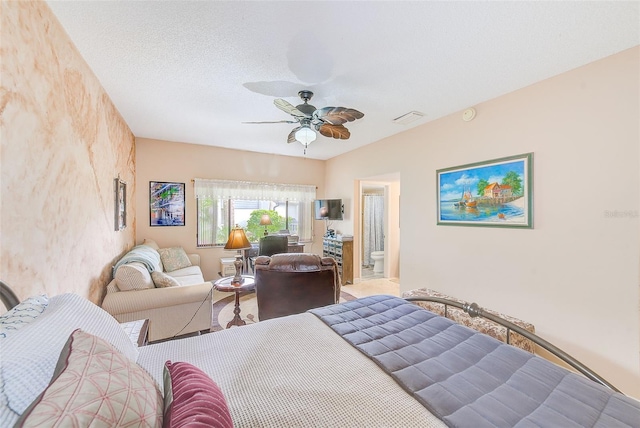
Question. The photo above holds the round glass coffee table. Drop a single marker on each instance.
(226, 285)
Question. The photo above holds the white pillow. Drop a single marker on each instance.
(151, 243)
(26, 371)
(22, 314)
(133, 276)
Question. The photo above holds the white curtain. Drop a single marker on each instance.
(373, 228)
(251, 190)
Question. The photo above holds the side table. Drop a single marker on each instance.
(137, 331)
(225, 285)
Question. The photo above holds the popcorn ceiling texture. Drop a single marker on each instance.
(63, 144)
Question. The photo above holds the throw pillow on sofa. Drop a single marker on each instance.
(133, 276)
(174, 258)
(162, 280)
(151, 243)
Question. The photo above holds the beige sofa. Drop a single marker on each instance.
(171, 310)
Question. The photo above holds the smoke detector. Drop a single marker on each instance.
(468, 114)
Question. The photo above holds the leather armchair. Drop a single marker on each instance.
(292, 283)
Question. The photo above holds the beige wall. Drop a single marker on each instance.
(176, 162)
(575, 275)
(63, 143)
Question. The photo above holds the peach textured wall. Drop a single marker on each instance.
(575, 275)
(63, 143)
(178, 162)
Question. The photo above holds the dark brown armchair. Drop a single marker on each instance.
(292, 283)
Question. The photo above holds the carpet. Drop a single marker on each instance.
(223, 309)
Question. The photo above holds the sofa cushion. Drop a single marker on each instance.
(94, 384)
(162, 280)
(193, 399)
(174, 258)
(133, 276)
(188, 276)
(22, 314)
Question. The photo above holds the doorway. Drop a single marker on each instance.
(372, 231)
(378, 227)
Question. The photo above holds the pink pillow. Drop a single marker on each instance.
(192, 399)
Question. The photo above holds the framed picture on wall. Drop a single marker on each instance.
(166, 203)
(494, 193)
(120, 190)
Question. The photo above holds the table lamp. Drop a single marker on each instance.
(265, 221)
(237, 241)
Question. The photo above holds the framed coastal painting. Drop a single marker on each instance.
(494, 193)
(120, 190)
(166, 203)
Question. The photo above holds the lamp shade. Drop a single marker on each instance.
(265, 220)
(305, 135)
(237, 240)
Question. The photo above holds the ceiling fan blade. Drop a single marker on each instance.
(334, 131)
(337, 115)
(288, 108)
(292, 135)
(274, 121)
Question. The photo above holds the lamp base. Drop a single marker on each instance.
(237, 278)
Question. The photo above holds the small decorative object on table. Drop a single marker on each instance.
(228, 285)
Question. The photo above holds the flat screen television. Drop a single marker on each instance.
(328, 209)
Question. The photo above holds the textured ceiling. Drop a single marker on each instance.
(193, 71)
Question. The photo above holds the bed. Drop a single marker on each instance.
(379, 361)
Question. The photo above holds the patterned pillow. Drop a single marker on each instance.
(22, 314)
(133, 276)
(27, 370)
(193, 399)
(95, 385)
(174, 258)
(162, 280)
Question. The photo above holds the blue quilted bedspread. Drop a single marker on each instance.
(469, 379)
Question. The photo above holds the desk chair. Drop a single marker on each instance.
(273, 244)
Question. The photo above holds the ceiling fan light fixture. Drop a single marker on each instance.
(305, 135)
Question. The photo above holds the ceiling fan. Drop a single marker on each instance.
(328, 121)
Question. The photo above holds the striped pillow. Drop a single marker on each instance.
(192, 399)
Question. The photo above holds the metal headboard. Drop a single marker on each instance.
(8, 297)
(476, 311)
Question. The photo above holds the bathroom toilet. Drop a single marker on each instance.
(378, 259)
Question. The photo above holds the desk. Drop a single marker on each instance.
(227, 286)
(295, 248)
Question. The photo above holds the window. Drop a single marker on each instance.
(222, 204)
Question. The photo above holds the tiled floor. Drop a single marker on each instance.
(367, 273)
(372, 286)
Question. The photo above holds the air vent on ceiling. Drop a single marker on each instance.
(405, 119)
